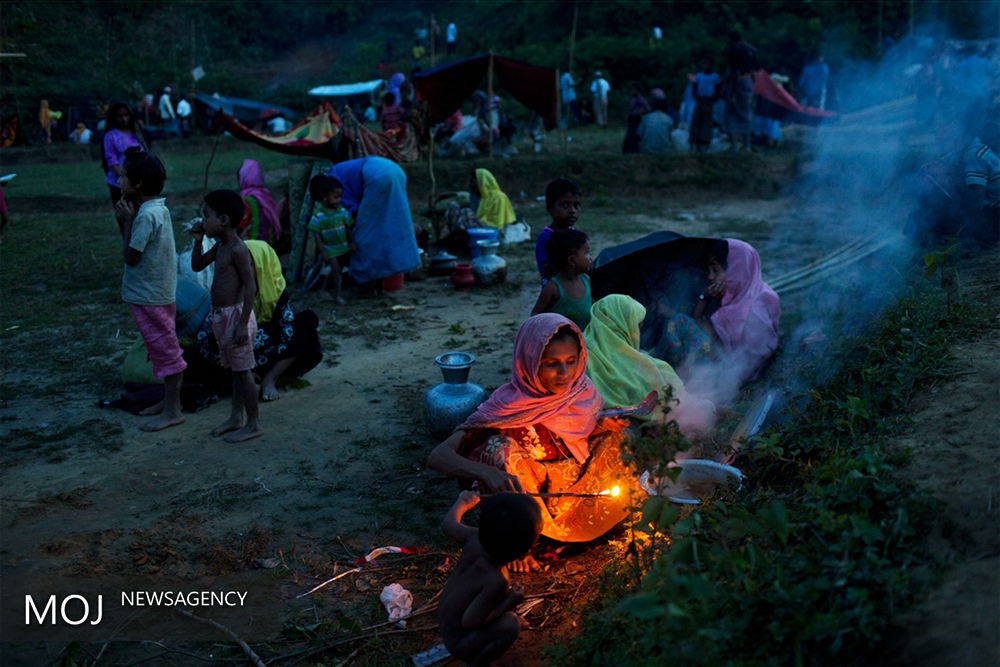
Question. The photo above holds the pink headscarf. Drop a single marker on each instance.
(571, 415)
(252, 183)
(747, 320)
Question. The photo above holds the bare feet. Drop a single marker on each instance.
(339, 301)
(152, 410)
(248, 432)
(268, 392)
(526, 564)
(162, 421)
(327, 296)
(230, 424)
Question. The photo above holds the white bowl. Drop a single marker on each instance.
(699, 478)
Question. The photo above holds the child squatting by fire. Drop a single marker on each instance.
(476, 612)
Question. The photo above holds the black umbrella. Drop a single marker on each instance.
(664, 271)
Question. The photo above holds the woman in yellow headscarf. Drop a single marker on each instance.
(287, 343)
(624, 374)
(494, 206)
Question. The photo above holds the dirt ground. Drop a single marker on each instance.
(340, 468)
(956, 458)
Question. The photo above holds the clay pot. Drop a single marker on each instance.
(462, 277)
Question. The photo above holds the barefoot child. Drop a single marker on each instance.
(233, 292)
(476, 609)
(568, 291)
(331, 228)
(149, 283)
(562, 201)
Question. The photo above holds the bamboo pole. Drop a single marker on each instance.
(433, 194)
(489, 104)
(572, 40)
(430, 31)
(559, 114)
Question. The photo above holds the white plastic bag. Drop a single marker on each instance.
(516, 232)
(398, 602)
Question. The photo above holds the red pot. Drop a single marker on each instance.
(462, 277)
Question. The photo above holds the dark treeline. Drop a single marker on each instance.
(96, 50)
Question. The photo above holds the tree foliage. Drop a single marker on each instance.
(96, 50)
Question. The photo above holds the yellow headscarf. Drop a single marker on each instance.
(494, 206)
(270, 281)
(622, 372)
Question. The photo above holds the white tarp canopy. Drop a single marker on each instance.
(346, 89)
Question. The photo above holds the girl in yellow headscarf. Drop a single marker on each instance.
(624, 374)
(494, 206)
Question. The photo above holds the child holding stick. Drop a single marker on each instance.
(476, 614)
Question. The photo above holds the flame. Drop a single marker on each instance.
(613, 492)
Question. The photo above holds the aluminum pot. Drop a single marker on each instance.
(450, 403)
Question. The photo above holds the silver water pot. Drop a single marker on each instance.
(449, 404)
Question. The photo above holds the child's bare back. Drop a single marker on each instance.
(475, 614)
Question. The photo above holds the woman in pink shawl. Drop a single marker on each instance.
(735, 319)
(263, 219)
(542, 433)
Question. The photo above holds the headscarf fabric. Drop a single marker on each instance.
(747, 320)
(252, 184)
(570, 415)
(395, 83)
(270, 281)
(494, 206)
(622, 373)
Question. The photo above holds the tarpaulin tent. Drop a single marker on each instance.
(398, 145)
(447, 87)
(776, 103)
(347, 89)
(314, 136)
(241, 109)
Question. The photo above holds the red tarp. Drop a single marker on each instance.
(775, 102)
(398, 145)
(316, 136)
(445, 88)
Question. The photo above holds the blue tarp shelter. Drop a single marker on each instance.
(245, 111)
(347, 89)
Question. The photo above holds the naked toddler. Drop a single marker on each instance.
(475, 614)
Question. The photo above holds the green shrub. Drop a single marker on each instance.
(808, 563)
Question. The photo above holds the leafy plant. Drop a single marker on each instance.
(809, 563)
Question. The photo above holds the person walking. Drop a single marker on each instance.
(599, 88)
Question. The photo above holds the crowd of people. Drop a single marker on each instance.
(541, 451)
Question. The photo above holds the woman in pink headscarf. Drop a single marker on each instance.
(542, 433)
(735, 319)
(262, 221)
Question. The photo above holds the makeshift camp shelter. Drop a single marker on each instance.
(447, 87)
(347, 89)
(245, 111)
(318, 136)
(776, 103)
(314, 136)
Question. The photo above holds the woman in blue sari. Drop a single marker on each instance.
(375, 196)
